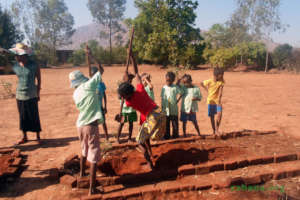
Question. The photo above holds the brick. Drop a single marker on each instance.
(16, 153)
(16, 162)
(293, 173)
(254, 160)
(252, 180)
(265, 177)
(202, 185)
(241, 163)
(237, 180)
(285, 157)
(93, 197)
(202, 169)
(267, 159)
(68, 180)
(216, 166)
(222, 182)
(6, 151)
(171, 189)
(11, 171)
(230, 165)
(279, 174)
(186, 170)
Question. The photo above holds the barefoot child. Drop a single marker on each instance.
(90, 115)
(128, 113)
(189, 103)
(154, 125)
(102, 97)
(214, 87)
(169, 105)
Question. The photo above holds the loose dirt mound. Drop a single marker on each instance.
(166, 157)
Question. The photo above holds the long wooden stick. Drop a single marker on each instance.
(129, 48)
(87, 52)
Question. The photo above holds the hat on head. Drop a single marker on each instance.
(77, 78)
(21, 49)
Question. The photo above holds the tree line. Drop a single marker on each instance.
(165, 33)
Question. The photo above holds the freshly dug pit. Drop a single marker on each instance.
(166, 157)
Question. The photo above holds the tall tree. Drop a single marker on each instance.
(165, 32)
(108, 13)
(9, 32)
(49, 24)
(262, 17)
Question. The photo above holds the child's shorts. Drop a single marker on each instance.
(184, 117)
(214, 109)
(153, 128)
(130, 117)
(89, 142)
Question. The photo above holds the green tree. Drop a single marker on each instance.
(108, 13)
(262, 17)
(165, 33)
(9, 32)
(49, 23)
(281, 55)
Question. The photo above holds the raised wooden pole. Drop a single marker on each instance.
(129, 49)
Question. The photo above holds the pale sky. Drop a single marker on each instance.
(208, 13)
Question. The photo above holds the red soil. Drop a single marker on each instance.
(5, 161)
(166, 157)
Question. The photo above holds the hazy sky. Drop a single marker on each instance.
(208, 13)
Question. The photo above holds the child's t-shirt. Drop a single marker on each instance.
(100, 91)
(150, 92)
(213, 90)
(187, 103)
(127, 109)
(169, 99)
(141, 101)
(87, 102)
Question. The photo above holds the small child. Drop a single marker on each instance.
(154, 125)
(214, 87)
(128, 113)
(169, 102)
(102, 97)
(146, 80)
(189, 103)
(90, 115)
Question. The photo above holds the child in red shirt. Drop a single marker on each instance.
(154, 121)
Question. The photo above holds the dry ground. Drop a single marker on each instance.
(251, 100)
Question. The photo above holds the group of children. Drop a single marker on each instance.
(155, 121)
(172, 94)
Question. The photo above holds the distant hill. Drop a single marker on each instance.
(90, 32)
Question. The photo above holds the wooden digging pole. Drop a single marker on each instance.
(88, 60)
(129, 49)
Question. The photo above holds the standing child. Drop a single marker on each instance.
(154, 125)
(102, 97)
(129, 113)
(214, 87)
(146, 79)
(189, 103)
(90, 115)
(169, 102)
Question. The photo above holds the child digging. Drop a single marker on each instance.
(90, 115)
(214, 87)
(128, 113)
(155, 121)
(189, 103)
(169, 102)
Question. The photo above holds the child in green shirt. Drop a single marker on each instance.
(128, 113)
(189, 103)
(169, 102)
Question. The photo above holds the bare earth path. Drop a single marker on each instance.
(254, 101)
